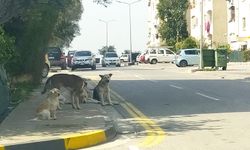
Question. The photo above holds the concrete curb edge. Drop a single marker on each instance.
(67, 142)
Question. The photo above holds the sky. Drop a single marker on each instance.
(93, 31)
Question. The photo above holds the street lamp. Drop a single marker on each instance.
(107, 29)
(130, 26)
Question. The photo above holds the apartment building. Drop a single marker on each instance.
(238, 24)
(153, 24)
(215, 26)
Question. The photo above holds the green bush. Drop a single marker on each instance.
(6, 47)
(189, 42)
(246, 55)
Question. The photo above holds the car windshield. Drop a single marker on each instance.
(83, 53)
(111, 55)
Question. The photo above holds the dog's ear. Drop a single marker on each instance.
(110, 74)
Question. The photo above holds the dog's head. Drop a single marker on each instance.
(106, 77)
(84, 94)
(54, 93)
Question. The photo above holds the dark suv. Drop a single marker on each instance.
(56, 57)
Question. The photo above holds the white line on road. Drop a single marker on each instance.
(212, 98)
(174, 86)
(138, 76)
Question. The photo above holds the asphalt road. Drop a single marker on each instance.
(194, 110)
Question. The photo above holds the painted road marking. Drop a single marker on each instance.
(209, 97)
(2, 147)
(155, 135)
(177, 87)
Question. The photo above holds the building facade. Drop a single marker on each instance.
(153, 24)
(214, 23)
(238, 24)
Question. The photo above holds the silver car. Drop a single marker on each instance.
(83, 59)
(111, 58)
(187, 57)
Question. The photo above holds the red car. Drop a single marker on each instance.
(141, 58)
(69, 57)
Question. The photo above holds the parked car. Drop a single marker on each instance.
(46, 67)
(186, 57)
(141, 58)
(111, 58)
(134, 56)
(56, 57)
(83, 59)
(124, 58)
(69, 57)
(155, 55)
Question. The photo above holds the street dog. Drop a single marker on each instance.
(47, 109)
(101, 91)
(75, 84)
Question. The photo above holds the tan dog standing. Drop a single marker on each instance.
(47, 109)
(101, 91)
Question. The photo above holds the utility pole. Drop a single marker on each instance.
(201, 36)
(130, 25)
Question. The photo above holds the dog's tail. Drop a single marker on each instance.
(48, 82)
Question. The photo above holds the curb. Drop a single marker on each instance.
(67, 142)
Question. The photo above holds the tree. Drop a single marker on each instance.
(173, 26)
(189, 42)
(37, 28)
(105, 49)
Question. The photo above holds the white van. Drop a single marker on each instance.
(155, 55)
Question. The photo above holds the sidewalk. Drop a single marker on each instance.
(73, 129)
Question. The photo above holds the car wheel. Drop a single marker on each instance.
(118, 65)
(103, 65)
(224, 68)
(93, 67)
(183, 63)
(177, 65)
(45, 71)
(154, 61)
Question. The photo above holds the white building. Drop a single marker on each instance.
(214, 21)
(238, 24)
(153, 24)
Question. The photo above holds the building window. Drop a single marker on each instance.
(232, 13)
(194, 22)
(244, 24)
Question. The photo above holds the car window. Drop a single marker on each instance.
(169, 52)
(54, 53)
(83, 53)
(152, 51)
(111, 55)
(190, 52)
(161, 51)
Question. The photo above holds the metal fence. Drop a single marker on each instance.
(236, 56)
